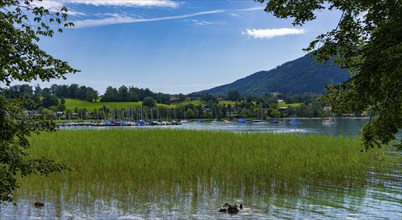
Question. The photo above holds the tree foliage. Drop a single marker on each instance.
(149, 101)
(21, 26)
(132, 94)
(233, 95)
(368, 42)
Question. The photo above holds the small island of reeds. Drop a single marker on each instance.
(142, 161)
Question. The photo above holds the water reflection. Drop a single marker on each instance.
(378, 200)
(342, 127)
(345, 127)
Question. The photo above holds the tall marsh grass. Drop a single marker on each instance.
(111, 162)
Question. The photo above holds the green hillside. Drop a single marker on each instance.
(294, 77)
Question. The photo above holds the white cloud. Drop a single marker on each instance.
(205, 23)
(201, 23)
(270, 33)
(126, 3)
(118, 19)
(235, 13)
(49, 4)
(121, 19)
(76, 13)
(56, 6)
(251, 9)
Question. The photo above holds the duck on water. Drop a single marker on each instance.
(231, 209)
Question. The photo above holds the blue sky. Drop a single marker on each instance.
(175, 46)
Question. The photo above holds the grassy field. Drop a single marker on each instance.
(283, 104)
(75, 103)
(90, 106)
(227, 102)
(109, 162)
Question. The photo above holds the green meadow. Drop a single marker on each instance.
(71, 104)
(107, 163)
(81, 104)
(284, 104)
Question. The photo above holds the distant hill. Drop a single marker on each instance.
(294, 77)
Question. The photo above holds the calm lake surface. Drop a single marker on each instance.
(344, 127)
(307, 126)
(380, 199)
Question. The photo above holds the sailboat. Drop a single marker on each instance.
(184, 120)
(216, 117)
(329, 121)
(260, 118)
(227, 120)
(259, 121)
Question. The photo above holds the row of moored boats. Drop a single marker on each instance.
(118, 123)
(174, 122)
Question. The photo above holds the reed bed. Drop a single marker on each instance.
(107, 163)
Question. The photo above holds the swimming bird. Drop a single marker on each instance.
(231, 209)
(39, 204)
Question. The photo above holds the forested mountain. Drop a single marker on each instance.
(294, 77)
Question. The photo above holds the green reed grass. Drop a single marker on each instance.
(108, 162)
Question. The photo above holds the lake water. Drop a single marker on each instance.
(344, 127)
(347, 127)
(309, 126)
(380, 199)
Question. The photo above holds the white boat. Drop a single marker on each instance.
(259, 121)
(328, 122)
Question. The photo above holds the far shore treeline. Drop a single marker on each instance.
(75, 102)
